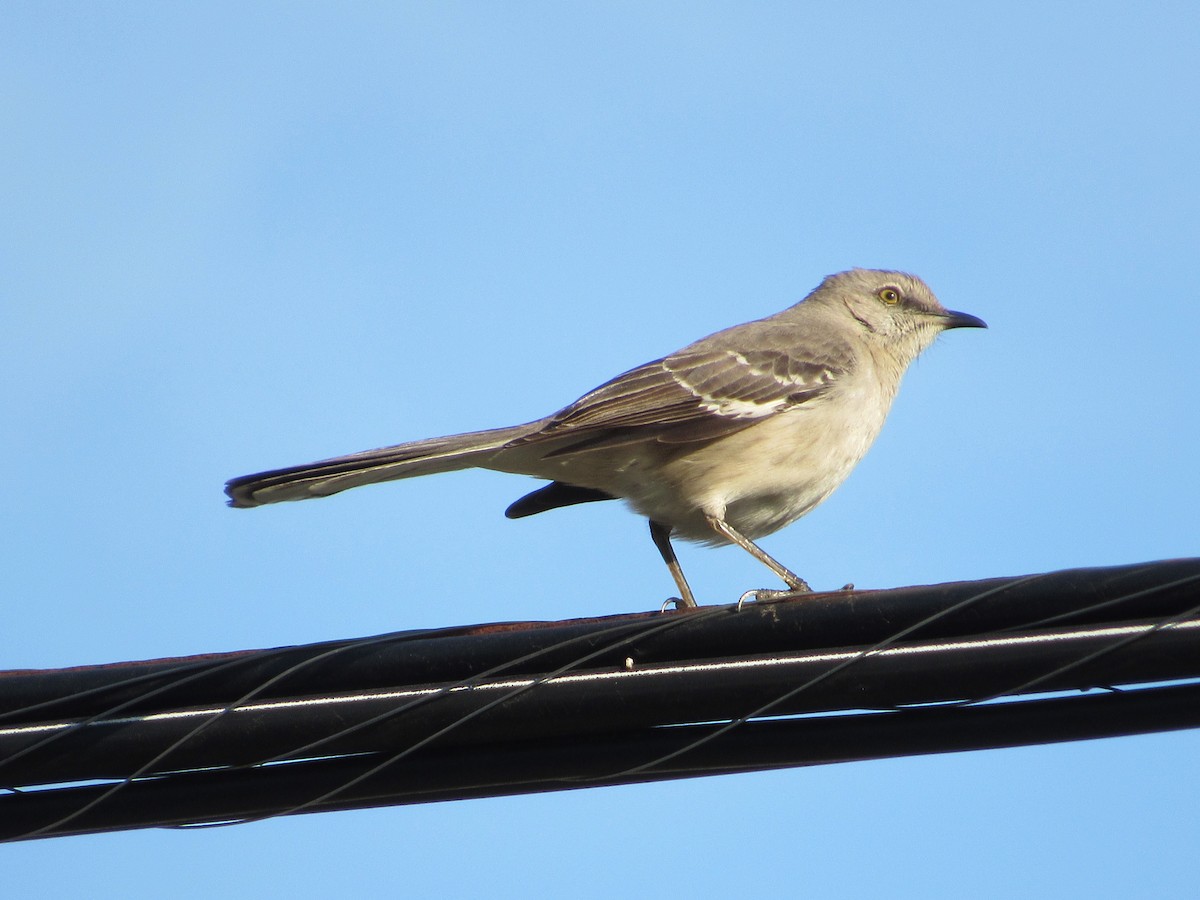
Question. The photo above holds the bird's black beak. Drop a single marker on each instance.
(952, 319)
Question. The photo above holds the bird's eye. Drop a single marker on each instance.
(890, 296)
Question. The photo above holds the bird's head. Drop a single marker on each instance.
(895, 311)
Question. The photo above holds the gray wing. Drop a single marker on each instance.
(694, 395)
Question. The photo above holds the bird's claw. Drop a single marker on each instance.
(677, 602)
(766, 595)
(762, 595)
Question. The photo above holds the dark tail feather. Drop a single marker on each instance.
(552, 496)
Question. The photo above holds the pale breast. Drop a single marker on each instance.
(764, 477)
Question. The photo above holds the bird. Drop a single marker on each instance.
(724, 441)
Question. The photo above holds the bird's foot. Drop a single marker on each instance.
(796, 585)
(678, 603)
(766, 595)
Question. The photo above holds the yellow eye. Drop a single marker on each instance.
(890, 296)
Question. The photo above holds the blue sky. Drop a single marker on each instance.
(241, 236)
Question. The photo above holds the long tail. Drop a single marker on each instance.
(320, 479)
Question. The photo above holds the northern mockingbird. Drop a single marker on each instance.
(724, 441)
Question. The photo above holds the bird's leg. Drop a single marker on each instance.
(790, 578)
(661, 535)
